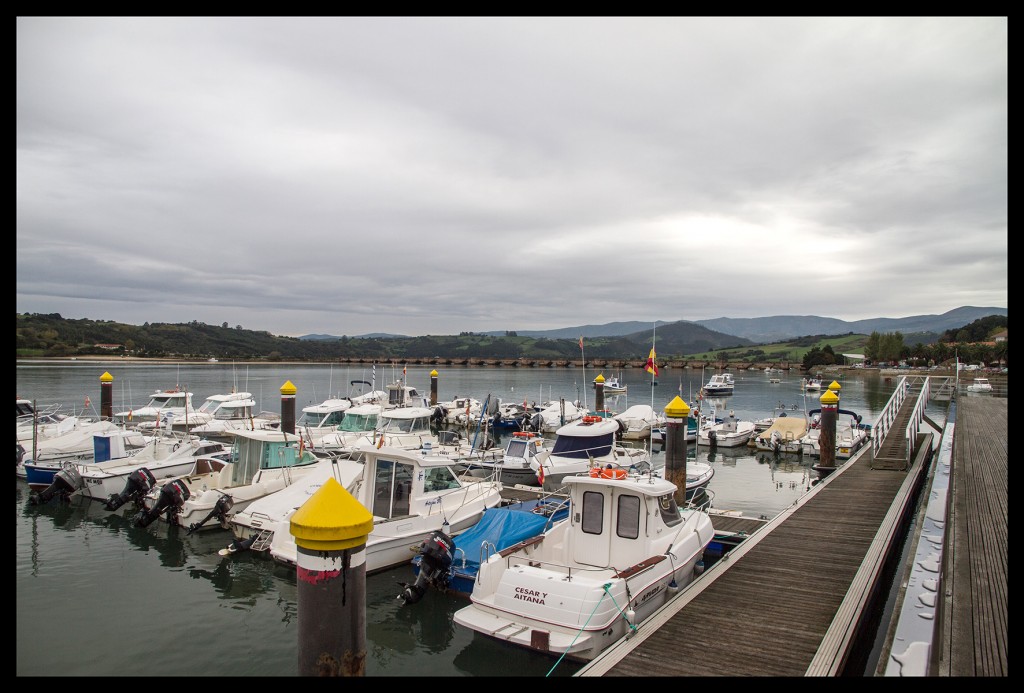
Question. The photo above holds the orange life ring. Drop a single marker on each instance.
(523, 434)
(591, 419)
(595, 472)
(613, 473)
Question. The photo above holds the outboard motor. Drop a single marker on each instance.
(436, 554)
(537, 422)
(220, 511)
(65, 482)
(172, 496)
(713, 439)
(138, 485)
(438, 415)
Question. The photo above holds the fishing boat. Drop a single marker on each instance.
(613, 386)
(584, 444)
(581, 586)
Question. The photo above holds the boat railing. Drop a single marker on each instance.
(701, 500)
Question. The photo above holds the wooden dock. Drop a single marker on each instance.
(973, 616)
(802, 595)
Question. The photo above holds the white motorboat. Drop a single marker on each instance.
(164, 457)
(555, 415)
(411, 494)
(851, 434)
(785, 434)
(360, 422)
(811, 384)
(728, 433)
(163, 408)
(980, 385)
(514, 466)
(88, 442)
(261, 463)
(461, 411)
(237, 415)
(638, 420)
(719, 384)
(584, 444)
(317, 420)
(575, 590)
(208, 410)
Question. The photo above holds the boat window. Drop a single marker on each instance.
(439, 479)
(593, 512)
(669, 510)
(627, 524)
(582, 447)
(516, 448)
(392, 487)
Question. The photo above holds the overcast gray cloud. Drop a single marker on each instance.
(432, 176)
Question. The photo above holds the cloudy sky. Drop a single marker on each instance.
(439, 175)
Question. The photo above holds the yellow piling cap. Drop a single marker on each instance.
(433, 373)
(331, 520)
(830, 397)
(106, 378)
(599, 378)
(677, 408)
(835, 386)
(288, 388)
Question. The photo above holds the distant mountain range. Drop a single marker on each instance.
(774, 328)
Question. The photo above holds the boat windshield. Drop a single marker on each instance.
(416, 424)
(233, 412)
(161, 401)
(358, 423)
(582, 447)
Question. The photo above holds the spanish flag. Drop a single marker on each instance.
(651, 366)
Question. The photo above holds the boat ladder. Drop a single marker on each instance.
(262, 541)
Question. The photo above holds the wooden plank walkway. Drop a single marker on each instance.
(768, 607)
(973, 620)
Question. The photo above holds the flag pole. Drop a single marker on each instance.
(583, 358)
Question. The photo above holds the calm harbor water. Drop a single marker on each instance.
(97, 597)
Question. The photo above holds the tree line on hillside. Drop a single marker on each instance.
(50, 335)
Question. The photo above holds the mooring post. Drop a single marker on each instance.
(599, 392)
(827, 437)
(433, 388)
(330, 531)
(288, 391)
(676, 414)
(107, 397)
